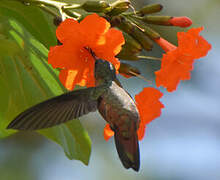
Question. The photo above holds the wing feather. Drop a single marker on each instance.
(56, 110)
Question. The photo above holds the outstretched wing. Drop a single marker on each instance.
(56, 110)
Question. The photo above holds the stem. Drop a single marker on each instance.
(150, 58)
(137, 17)
(131, 13)
(71, 14)
(128, 14)
(48, 10)
(44, 3)
(74, 6)
(49, 3)
(133, 9)
(141, 77)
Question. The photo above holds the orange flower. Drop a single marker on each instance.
(178, 61)
(149, 108)
(108, 132)
(76, 63)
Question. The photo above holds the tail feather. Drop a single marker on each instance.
(128, 151)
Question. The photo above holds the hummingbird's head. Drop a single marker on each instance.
(104, 70)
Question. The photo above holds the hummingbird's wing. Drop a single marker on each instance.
(56, 110)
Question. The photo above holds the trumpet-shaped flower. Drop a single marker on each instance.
(177, 62)
(73, 58)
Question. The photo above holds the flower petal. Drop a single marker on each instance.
(173, 70)
(66, 56)
(93, 27)
(108, 133)
(192, 43)
(69, 28)
(149, 107)
(141, 131)
(68, 78)
(112, 46)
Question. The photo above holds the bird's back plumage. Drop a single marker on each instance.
(120, 111)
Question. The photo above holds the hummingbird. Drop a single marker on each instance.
(114, 104)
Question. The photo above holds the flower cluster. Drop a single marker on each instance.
(76, 64)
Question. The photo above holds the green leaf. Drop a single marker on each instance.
(27, 79)
(73, 140)
(32, 18)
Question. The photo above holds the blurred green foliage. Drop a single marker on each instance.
(26, 33)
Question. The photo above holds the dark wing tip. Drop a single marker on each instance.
(15, 125)
(55, 111)
(18, 128)
(10, 126)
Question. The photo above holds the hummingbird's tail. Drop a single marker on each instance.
(128, 150)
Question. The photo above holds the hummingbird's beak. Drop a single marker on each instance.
(91, 52)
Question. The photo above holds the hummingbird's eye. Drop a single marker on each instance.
(96, 63)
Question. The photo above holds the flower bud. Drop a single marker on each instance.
(119, 7)
(95, 6)
(180, 21)
(136, 33)
(131, 45)
(159, 20)
(128, 71)
(143, 39)
(149, 9)
(126, 55)
(150, 32)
